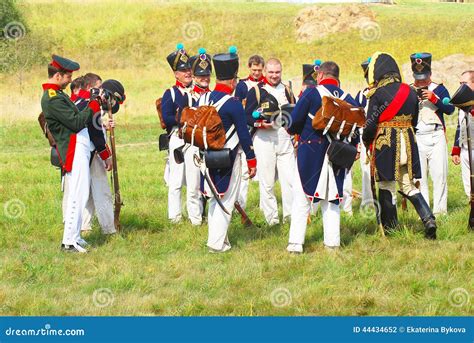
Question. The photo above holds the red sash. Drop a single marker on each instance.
(397, 103)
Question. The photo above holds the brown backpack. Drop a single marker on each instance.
(202, 126)
(159, 110)
(335, 112)
(44, 127)
(160, 113)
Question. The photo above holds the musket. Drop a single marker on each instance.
(115, 179)
(469, 148)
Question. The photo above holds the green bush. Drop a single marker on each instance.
(11, 20)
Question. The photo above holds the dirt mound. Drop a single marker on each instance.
(313, 23)
(446, 70)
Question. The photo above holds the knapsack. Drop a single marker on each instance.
(337, 116)
(202, 126)
(159, 110)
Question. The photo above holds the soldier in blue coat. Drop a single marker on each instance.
(173, 101)
(316, 180)
(227, 180)
(430, 131)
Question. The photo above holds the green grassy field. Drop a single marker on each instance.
(155, 268)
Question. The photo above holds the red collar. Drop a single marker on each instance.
(260, 79)
(333, 82)
(265, 81)
(200, 90)
(179, 84)
(51, 86)
(73, 97)
(220, 87)
(84, 94)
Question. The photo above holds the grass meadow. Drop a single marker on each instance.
(155, 268)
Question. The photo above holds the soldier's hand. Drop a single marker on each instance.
(108, 164)
(110, 124)
(252, 172)
(428, 95)
(456, 159)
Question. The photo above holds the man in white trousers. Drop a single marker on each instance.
(68, 126)
(460, 153)
(100, 195)
(430, 132)
(315, 180)
(273, 145)
(256, 63)
(173, 101)
(226, 180)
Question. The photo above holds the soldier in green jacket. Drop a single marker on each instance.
(68, 126)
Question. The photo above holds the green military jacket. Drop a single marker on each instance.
(64, 121)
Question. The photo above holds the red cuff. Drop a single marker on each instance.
(258, 124)
(252, 163)
(94, 106)
(433, 98)
(456, 151)
(106, 153)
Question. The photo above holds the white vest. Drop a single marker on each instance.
(427, 117)
(279, 92)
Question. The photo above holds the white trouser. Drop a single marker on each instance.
(434, 162)
(347, 191)
(218, 220)
(299, 217)
(193, 186)
(274, 151)
(78, 184)
(466, 171)
(244, 182)
(365, 171)
(100, 199)
(175, 181)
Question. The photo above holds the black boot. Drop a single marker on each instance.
(424, 211)
(388, 211)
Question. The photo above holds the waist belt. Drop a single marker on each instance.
(396, 124)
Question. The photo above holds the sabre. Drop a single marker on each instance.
(202, 167)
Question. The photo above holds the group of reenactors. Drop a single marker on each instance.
(403, 141)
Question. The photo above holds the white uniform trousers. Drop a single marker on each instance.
(175, 180)
(347, 193)
(274, 151)
(218, 220)
(299, 216)
(194, 203)
(365, 171)
(434, 161)
(100, 199)
(78, 185)
(466, 171)
(244, 182)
